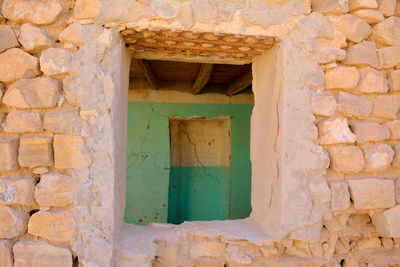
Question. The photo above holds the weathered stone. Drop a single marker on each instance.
(70, 152)
(73, 34)
(66, 121)
(397, 187)
(354, 28)
(340, 195)
(34, 39)
(346, 159)
(387, 32)
(372, 193)
(394, 80)
(394, 128)
(397, 12)
(362, 54)
(71, 90)
(335, 131)
(6, 257)
(8, 39)
(36, 253)
(35, 151)
(16, 64)
(357, 106)
(13, 222)
(56, 62)
(362, 4)
(387, 243)
(16, 190)
(345, 78)
(367, 131)
(1, 91)
(20, 121)
(396, 158)
(372, 81)
(328, 54)
(371, 16)
(86, 9)
(56, 225)
(55, 190)
(36, 12)
(378, 158)
(388, 222)
(386, 106)
(323, 104)
(389, 57)
(41, 92)
(388, 7)
(8, 152)
(371, 243)
(358, 220)
(330, 6)
(40, 170)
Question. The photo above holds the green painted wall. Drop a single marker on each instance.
(228, 190)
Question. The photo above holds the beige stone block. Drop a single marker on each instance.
(346, 159)
(386, 106)
(8, 152)
(358, 220)
(41, 92)
(389, 57)
(345, 78)
(73, 34)
(357, 106)
(388, 222)
(15, 190)
(397, 190)
(354, 28)
(56, 62)
(34, 39)
(367, 131)
(372, 81)
(371, 16)
(20, 121)
(54, 225)
(66, 121)
(87, 9)
(340, 195)
(35, 151)
(378, 158)
(36, 253)
(36, 12)
(370, 243)
(394, 80)
(372, 193)
(16, 64)
(394, 128)
(362, 4)
(1, 91)
(387, 243)
(55, 190)
(8, 39)
(70, 152)
(397, 12)
(388, 7)
(323, 104)
(362, 54)
(335, 131)
(6, 256)
(330, 6)
(13, 222)
(396, 158)
(387, 32)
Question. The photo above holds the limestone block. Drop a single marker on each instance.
(16, 190)
(372, 193)
(35, 151)
(345, 78)
(16, 64)
(386, 106)
(20, 121)
(70, 152)
(1, 91)
(378, 158)
(309, 233)
(56, 62)
(13, 222)
(389, 57)
(362, 54)
(388, 222)
(387, 243)
(330, 6)
(371, 16)
(8, 39)
(73, 34)
(372, 81)
(370, 243)
(354, 28)
(394, 80)
(8, 152)
(36, 253)
(34, 39)
(55, 190)
(71, 90)
(54, 225)
(358, 220)
(387, 32)
(367, 131)
(362, 4)
(397, 12)
(86, 9)
(323, 104)
(33, 11)
(6, 257)
(346, 159)
(397, 190)
(66, 121)
(388, 7)
(335, 131)
(357, 106)
(340, 195)
(396, 158)
(394, 128)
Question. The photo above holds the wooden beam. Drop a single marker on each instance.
(202, 78)
(240, 83)
(145, 68)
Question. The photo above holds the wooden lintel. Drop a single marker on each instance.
(148, 74)
(202, 78)
(240, 83)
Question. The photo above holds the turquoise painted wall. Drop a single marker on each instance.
(150, 177)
